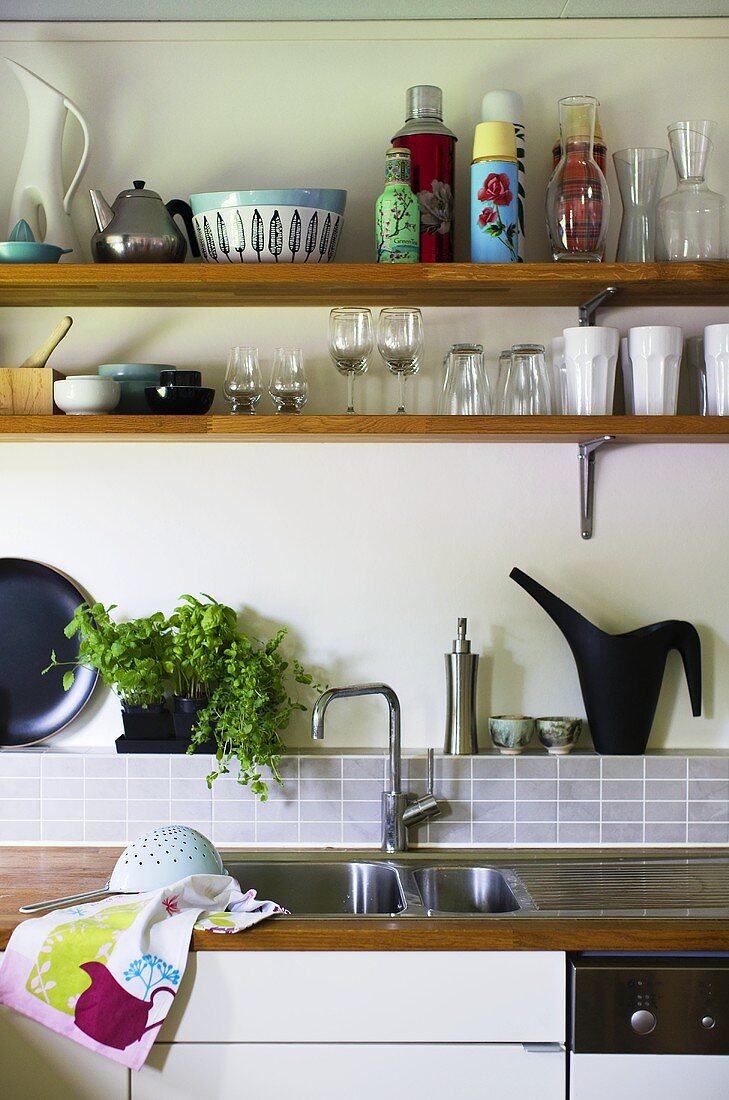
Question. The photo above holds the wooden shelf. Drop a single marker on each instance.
(411, 429)
(199, 284)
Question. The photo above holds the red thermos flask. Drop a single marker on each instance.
(432, 160)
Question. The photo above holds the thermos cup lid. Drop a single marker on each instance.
(424, 101)
(502, 106)
(495, 141)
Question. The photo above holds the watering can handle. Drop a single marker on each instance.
(68, 197)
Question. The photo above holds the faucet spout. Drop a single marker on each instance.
(393, 703)
(398, 814)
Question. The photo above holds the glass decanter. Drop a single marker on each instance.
(578, 202)
(692, 219)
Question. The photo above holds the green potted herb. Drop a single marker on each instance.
(248, 710)
(130, 660)
(197, 636)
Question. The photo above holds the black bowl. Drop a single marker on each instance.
(180, 378)
(179, 400)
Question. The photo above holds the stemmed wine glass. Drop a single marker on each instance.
(400, 341)
(350, 345)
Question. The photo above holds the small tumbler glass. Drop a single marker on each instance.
(288, 386)
(527, 390)
(243, 386)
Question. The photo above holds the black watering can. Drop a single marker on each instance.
(621, 674)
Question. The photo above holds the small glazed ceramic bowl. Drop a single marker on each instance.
(559, 735)
(511, 733)
(85, 394)
(133, 379)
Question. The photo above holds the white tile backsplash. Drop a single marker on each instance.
(489, 800)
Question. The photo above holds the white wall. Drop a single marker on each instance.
(368, 553)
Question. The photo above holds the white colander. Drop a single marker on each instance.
(151, 862)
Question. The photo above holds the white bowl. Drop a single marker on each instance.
(268, 234)
(84, 394)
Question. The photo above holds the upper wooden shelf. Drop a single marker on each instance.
(413, 429)
(199, 284)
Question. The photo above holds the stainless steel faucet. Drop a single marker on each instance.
(398, 811)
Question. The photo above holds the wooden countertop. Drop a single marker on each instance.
(33, 874)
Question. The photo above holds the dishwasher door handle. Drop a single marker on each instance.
(543, 1048)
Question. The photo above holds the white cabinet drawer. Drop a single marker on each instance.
(269, 1071)
(37, 1064)
(638, 1076)
(370, 997)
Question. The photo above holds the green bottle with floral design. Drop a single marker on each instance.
(397, 214)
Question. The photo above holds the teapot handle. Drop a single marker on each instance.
(67, 198)
(179, 206)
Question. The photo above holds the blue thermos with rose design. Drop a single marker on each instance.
(494, 195)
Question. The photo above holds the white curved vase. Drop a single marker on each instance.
(39, 196)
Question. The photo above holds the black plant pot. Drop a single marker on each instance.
(184, 715)
(152, 723)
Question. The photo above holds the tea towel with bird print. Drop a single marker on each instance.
(105, 973)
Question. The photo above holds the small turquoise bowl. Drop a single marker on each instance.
(320, 198)
(133, 379)
(30, 252)
(511, 733)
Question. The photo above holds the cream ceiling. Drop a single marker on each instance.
(271, 10)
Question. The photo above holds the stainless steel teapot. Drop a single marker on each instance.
(139, 228)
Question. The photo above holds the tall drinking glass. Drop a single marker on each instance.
(640, 177)
(350, 345)
(401, 342)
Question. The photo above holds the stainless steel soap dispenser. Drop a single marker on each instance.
(461, 671)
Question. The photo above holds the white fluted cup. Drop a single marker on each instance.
(655, 358)
(716, 359)
(590, 358)
(627, 370)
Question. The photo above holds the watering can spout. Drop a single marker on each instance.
(102, 211)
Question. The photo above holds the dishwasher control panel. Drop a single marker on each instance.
(649, 1005)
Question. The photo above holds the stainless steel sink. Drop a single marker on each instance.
(323, 889)
(314, 886)
(465, 890)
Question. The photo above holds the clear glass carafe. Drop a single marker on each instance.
(692, 220)
(578, 202)
(640, 178)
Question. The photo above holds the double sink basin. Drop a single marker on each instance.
(403, 887)
(349, 888)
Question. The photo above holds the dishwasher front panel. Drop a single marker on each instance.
(650, 1005)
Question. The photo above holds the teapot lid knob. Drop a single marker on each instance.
(138, 184)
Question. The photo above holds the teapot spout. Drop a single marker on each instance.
(102, 211)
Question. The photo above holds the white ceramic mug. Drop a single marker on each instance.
(716, 358)
(590, 356)
(655, 358)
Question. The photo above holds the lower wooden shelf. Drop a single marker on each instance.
(411, 429)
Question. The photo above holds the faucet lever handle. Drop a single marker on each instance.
(431, 771)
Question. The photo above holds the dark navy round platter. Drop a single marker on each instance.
(36, 603)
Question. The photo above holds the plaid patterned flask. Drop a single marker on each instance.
(578, 202)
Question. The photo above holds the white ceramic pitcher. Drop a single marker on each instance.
(39, 186)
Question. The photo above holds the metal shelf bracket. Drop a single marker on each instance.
(586, 312)
(586, 459)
